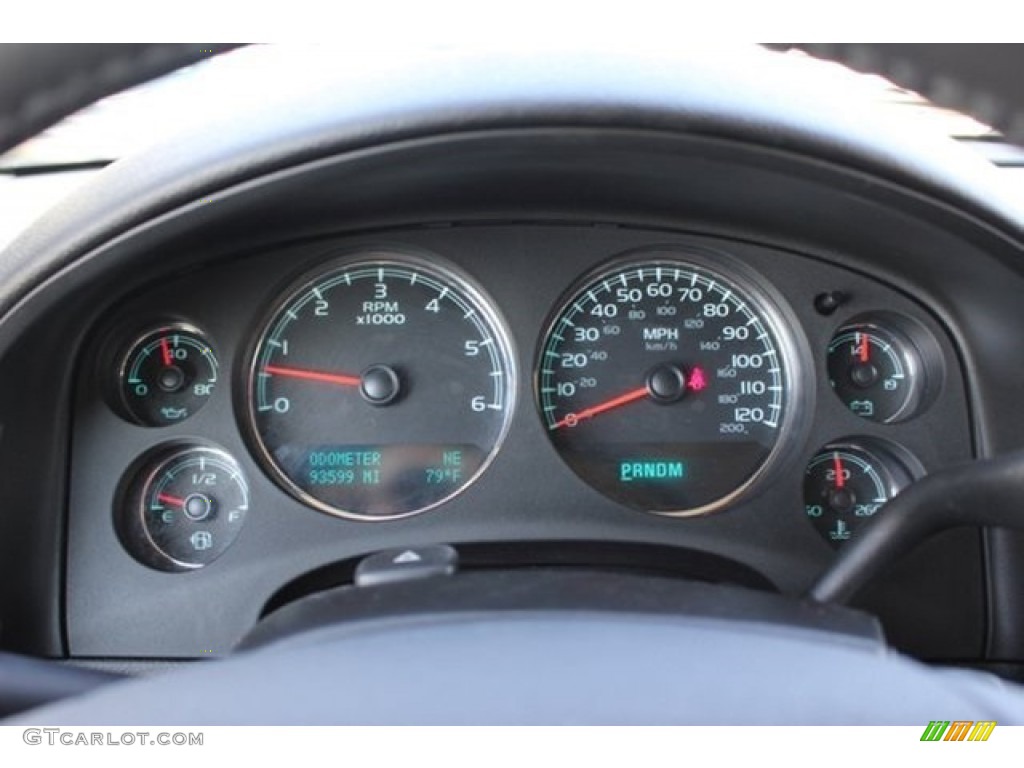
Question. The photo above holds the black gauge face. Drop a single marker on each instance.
(847, 484)
(664, 384)
(380, 388)
(167, 375)
(876, 372)
(184, 507)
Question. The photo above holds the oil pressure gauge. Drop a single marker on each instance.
(166, 375)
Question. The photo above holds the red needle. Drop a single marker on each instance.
(837, 464)
(165, 349)
(168, 499)
(302, 373)
(865, 348)
(572, 419)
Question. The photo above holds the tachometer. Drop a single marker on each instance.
(380, 387)
(664, 382)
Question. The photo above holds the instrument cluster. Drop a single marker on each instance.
(265, 416)
(381, 382)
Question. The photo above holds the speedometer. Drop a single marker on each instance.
(665, 382)
(380, 387)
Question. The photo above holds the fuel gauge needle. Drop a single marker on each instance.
(174, 501)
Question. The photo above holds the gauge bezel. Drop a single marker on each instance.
(918, 352)
(770, 306)
(130, 509)
(377, 256)
(128, 353)
(899, 465)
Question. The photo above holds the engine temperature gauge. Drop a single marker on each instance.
(848, 483)
(182, 507)
(167, 375)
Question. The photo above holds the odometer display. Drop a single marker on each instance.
(664, 384)
(380, 387)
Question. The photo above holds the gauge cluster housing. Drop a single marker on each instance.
(526, 495)
(525, 211)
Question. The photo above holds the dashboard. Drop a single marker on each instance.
(697, 339)
(265, 458)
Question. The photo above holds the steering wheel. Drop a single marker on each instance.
(546, 647)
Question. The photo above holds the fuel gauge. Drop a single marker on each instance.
(182, 506)
(848, 483)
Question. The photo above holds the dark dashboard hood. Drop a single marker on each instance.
(751, 97)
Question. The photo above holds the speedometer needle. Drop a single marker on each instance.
(303, 373)
(572, 419)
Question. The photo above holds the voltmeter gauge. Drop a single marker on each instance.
(877, 370)
(167, 375)
(182, 506)
(849, 482)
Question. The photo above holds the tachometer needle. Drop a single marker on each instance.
(572, 419)
(302, 373)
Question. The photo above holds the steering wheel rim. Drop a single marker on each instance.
(537, 668)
